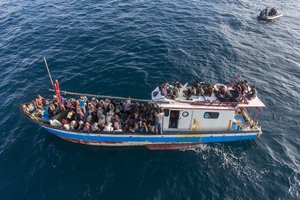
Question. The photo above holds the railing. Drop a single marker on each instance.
(102, 96)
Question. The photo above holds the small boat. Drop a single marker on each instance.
(269, 16)
(190, 117)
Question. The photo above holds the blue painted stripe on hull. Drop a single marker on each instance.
(97, 138)
(227, 138)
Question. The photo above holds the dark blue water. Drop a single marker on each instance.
(125, 48)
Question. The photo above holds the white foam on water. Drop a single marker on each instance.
(229, 160)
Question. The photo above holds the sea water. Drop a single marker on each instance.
(126, 48)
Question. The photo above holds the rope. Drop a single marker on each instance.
(101, 96)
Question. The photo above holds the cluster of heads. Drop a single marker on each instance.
(235, 91)
(96, 115)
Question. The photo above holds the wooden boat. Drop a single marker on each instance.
(185, 122)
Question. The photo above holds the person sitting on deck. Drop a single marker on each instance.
(55, 123)
(106, 104)
(245, 87)
(262, 13)
(101, 121)
(272, 12)
(57, 104)
(266, 12)
(72, 104)
(86, 127)
(80, 116)
(39, 102)
(80, 125)
(117, 126)
(94, 127)
(94, 102)
(210, 90)
(237, 89)
(201, 90)
(46, 112)
(52, 111)
(127, 104)
(252, 94)
(151, 123)
(194, 88)
(174, 93)
(187, 93)
(222, 95)
(82, 101)
(165, 84)
(73, 124)
(164, 91)
(178, 85)
(34, 113)
(144, 127)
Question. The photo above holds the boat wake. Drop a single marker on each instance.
(231, 159)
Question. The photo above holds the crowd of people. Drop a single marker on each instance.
(236, 91)
(96, 115)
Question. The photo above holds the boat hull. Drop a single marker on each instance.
(269, 18)
(165, 141)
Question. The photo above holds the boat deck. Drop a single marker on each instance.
(240, 122)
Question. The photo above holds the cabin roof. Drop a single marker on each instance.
(254, 103)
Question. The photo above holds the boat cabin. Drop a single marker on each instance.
(201, 113)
